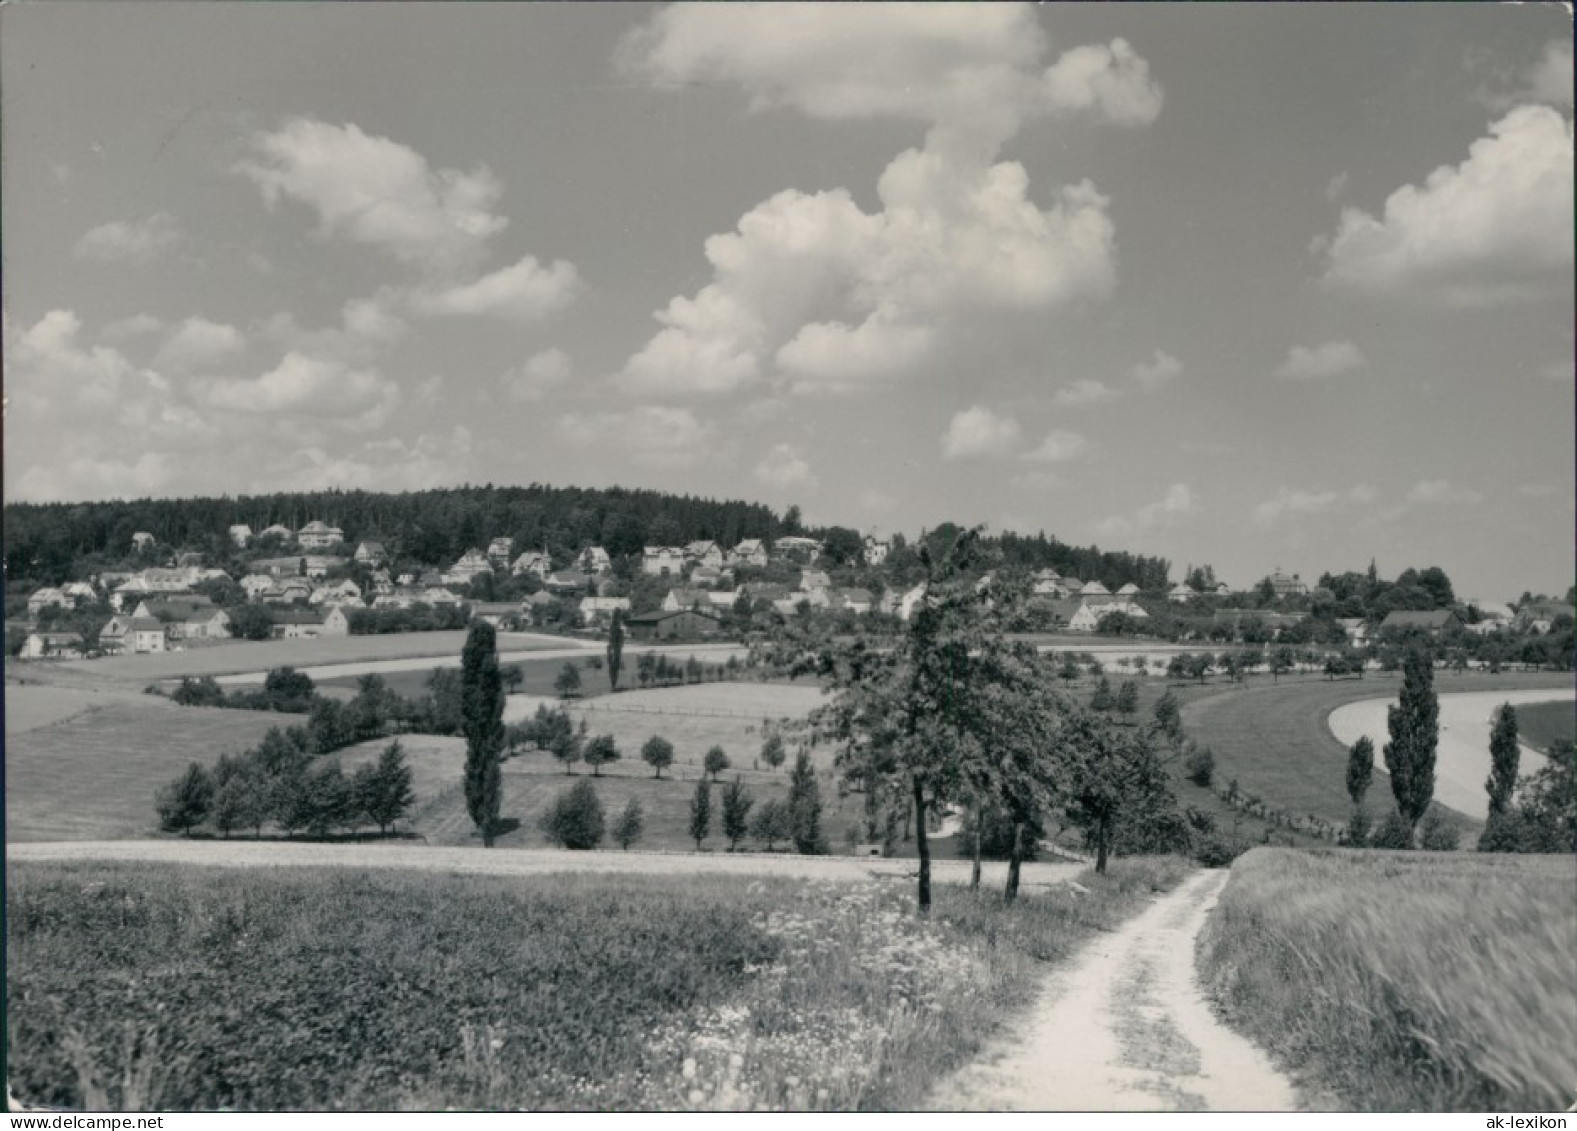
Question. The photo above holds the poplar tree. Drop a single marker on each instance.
(482, 722)
(1503, 755)
(1414, 725)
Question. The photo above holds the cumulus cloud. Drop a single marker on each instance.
(1332, 359)
(1547, 81)
(977, 431)
(785, 466)
(198, 343)
(653, 435)
(541, 373)
(87, 477)
(1059, 447)
(134, 326)
(1161, 369)
(1176, 504)
(1440, 492)
(1083, 393)
(1290, 502)
(130, 241)
(48, 365)
(378, 192)
(813, 292)
(324, 388)
(1496, 228)
(525, 291)
(385, 465)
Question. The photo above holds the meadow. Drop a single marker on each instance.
(1273, 737)
(1404, 981)
(231, 657)
(94, 774)
(135, 987)
(1541, 725)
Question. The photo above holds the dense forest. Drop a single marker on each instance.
(50, 543)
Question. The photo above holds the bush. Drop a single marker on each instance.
(1359, 827)
(1201, 765)
(1501, 833)
(1217, 852)
(574, 820)
(1392, 833)
(1439, 834)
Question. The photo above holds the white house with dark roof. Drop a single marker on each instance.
(594, 559)
(1180, 594)
(51, 645)
(318, 534)
(659, 560)
(499, 550)
(750, 552)
(1129, 590)
(705, 552)
(371, 553)
(535, 562)
(876, 551)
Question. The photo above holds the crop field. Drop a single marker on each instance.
(1404, 981)
(231, 657)
(95, 775)
(161, 987)
(1274, 740)
(1541, 725)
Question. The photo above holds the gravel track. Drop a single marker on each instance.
(1124, 1027)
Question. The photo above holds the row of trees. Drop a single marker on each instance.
(283, 783)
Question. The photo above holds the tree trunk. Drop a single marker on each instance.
(974, 874)
(1014, 861)
(923, 847)
(487, 837)
(1101, 836)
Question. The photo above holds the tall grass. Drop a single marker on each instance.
(186, 989)
(1405, 981)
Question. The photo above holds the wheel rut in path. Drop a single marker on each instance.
(1126, 1028)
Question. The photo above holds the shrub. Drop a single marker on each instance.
(575, 820)
(183, 804)
(1501, 833)
(1359, 827)
(1392, 833)
(1438, 834)
(1218, 852)
(1201, 765)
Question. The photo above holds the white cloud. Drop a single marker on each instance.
(95, 478)
(1439, 492)
(1496, 228)
(1329, 360)
(1083, 393)
(1291, 502)
(1059, 447)
(130, 241)
(135, 326)
(378, 192)
(653, 435)
(323, 388)
(1176, 504)
(785, 466)
(814, 292)
(1161, 369)
(522, 292)
(384, 465)
(1547, 81)
(977, 431)
(47, 364)
(541, 374)
(198, 343)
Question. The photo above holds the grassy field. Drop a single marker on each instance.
(231, 657)
(1273, 737)
(539, 677)
(1541, 725)
(138, 987)
(95, 775)
(28, 707)
(1404, 981)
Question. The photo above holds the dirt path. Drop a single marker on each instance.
(515, 861)
(1125, 1028)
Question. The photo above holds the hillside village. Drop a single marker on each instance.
(316, 581)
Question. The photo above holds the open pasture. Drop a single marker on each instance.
(96, 775)
(1273, 738)
(231, 657)
(162, 987)
(1542, 725)
(30, 706)
(1404, 981)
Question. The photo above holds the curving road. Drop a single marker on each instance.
(1126, 1028)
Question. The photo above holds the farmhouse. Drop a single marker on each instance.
(241, 534)
(336, 622)
(144, 634)
(796, 549)
(659, 560)
(294, 624)
(594, 559)
(811, 580)
(1541, 616)
(706, 575)
(45, 598)
(317, 535)
(499, 549)
(685, 599)
(568, 582)
(669, 625)
(112, 637)
(1129, 590)
(371, 553)
(598, 610)
(534, 562)
(51, 645)
(1285, 586)
(704, 553)
(750, 552)
(1180, 594)
(495, 613)
(1091, 589)
(473, 563)
(1433, 622)
(875, 552)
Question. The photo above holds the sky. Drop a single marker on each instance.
(1254, 285)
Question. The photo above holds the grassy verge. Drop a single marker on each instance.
(1404, 981)
(1541, 725)
(185, 989)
